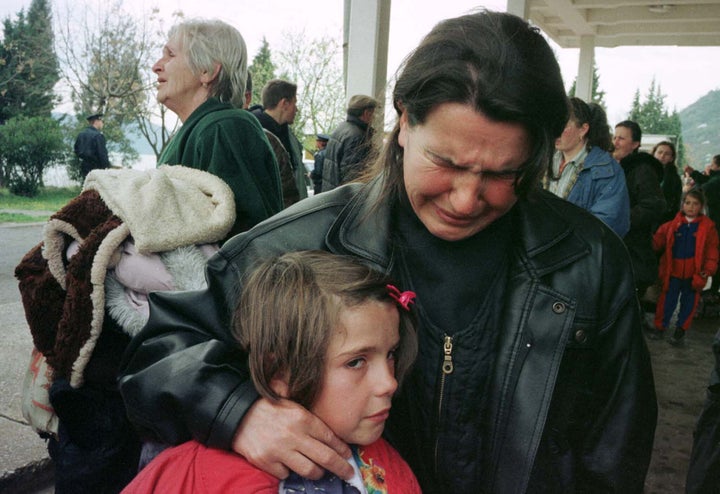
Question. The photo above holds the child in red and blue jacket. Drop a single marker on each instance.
(689, 247)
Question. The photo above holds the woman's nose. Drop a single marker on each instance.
(467, 190)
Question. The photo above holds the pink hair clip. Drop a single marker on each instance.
(404, 299)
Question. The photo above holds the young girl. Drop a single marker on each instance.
(331, 334)
(689, 246)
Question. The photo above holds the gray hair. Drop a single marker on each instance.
(211, 42)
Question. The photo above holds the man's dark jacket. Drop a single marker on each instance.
(710, 185)
(291, 144)
(347, 152)
(90, 148)
(643, 174)
(572, 407)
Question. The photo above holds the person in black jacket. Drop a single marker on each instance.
(643, 175)
(278, 110)
(665, 153)
(531, 374)
(90, 146)
(319, 158)
(350, 144)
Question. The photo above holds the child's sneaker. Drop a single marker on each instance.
(678, 337)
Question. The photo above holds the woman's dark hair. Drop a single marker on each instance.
(598, 134)
(495, 62)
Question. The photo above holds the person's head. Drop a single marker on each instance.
(248, 91)
(321, 141)
(96, 120)
(480, 103)
(693, 203)
(715, 163)
(664, 151)
(627, 139)
(279, 98)
(362, 107)
(587, 126)
(323, 330)
(202, 58)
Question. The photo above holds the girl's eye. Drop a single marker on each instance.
(392, 354)
(356, 363)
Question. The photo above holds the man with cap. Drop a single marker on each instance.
(350, 144)
(90, 146)
(321, 141)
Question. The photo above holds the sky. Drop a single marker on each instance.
(684, 74)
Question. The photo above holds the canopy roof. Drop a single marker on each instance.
(614, 23)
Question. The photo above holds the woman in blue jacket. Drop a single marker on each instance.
(583, 171)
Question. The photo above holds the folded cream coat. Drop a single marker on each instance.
(161, 209)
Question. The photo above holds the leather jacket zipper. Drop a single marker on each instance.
(447, 369)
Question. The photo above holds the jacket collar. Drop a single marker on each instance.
(545, 239)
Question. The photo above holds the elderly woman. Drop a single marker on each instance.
(583, 171)
(531, 374)
(664, 152)
(201, 78)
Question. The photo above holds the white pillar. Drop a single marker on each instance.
(518, 8)
(368, 27)
(583, 87)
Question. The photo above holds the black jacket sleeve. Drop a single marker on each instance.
(186, 355)
(704, 470)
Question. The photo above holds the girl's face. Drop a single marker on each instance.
(359, 375)
(691, 207)
(459, 169)
(664, 154)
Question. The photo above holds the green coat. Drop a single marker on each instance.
(230, 143)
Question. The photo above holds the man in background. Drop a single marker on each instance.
(279, 99)
(321, 141)
(90, 146)
(350, 144)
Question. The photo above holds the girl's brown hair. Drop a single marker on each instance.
(289, 308)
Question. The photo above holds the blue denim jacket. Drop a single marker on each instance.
(601, 189)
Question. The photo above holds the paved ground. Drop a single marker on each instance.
(681, 375)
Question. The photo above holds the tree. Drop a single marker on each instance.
(315, 65)
(107, 59)
(654, 118)
(262, 69)
(598, 95)
(28, 64)
(28, 145)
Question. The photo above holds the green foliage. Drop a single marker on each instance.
(28, 64)
(27, 147)
(654, 118)
(598, 95)
(48, 199)
(262, 70)
(315, 65)
(106, 54)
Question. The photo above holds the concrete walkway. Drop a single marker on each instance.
(24, 462)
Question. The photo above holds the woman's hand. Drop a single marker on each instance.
(281, 436)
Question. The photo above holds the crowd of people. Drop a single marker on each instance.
(523, 235)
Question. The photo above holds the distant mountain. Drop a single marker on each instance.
(701, 129)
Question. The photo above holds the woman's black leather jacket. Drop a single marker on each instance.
(573, 405)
